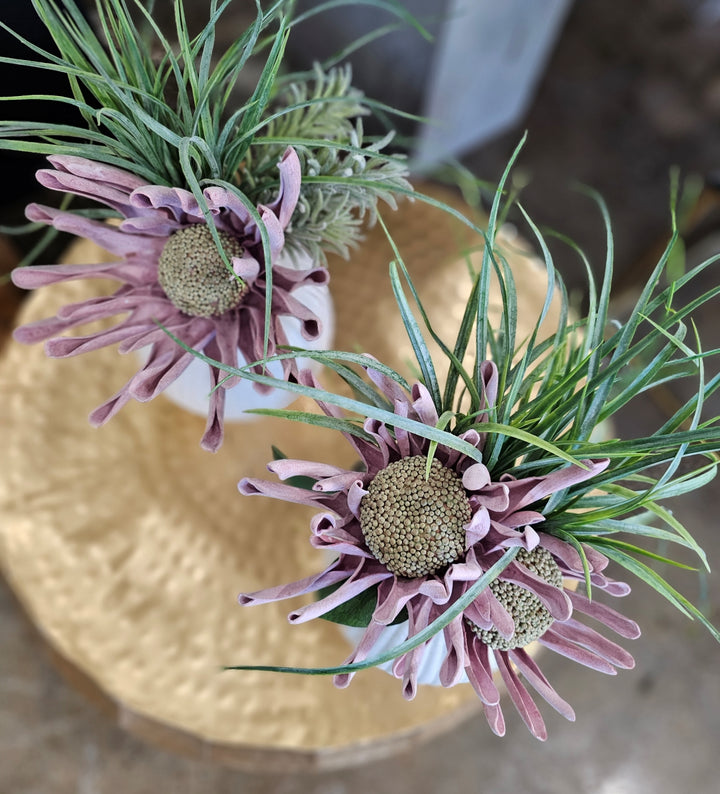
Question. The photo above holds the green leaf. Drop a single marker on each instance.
(357, 612)
(422, 354)
(532, 440)
(442, 422)
(605, 543)
(318, 420)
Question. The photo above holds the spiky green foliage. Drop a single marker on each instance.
(322, 119)
(554, 391)
(174, 118)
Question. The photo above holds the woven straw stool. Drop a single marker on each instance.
(127, 545)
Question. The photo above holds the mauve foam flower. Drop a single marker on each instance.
(172, 273)
(423, 543)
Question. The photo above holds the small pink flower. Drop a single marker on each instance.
(171, 273)
(422, 543)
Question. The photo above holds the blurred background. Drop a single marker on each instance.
(613, 95)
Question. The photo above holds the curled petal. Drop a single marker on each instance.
(574, 631)
(598, 561)
(501, 619)
(554, 599)
(250, 486)
(172, 203)
(393, 595)
(453, 666)
(478, 527)
(489, 379)
(110, 407)
(423, 405)
(110, 238)
(495, 498)
(285, 468)
(274, 229)
(475, 477)
(561, 645)
(96, 172)
(348, 590)
(100, 190)
(532, 489)
(310, 584)
(247, 267)
(354, 497)
(214, 431)
(479, 669)
(290, 179)
(390, 388)
(340, 482)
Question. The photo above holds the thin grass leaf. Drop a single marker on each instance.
(481, 331)
(364, 360)
(261, 95)
(531, 440)
(650, 577)
(422, 354)
(456, 363)
(632, 548)
(318, 420)
(442, 422)
(392, 7)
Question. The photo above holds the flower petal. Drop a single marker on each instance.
(358, 583)
(367, 641)
(479, 669)
(574, 631)
(606, 615)
(529, 669)
(475, 477)
(290, 181)
(522, 699)
(561, 645)
(309, 584)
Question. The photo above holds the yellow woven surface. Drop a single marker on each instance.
(127, 545)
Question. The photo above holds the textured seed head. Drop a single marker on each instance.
(193, 275)
(531, 618)
(412, 525)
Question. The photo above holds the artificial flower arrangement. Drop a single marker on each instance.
(207, 196)
(485, 510)
(483, 513)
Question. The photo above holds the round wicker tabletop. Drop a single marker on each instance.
(128, 544)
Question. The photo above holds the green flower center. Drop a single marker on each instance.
(531, 618)
(194, 276)
(415, 526)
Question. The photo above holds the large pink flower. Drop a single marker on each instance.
(171, 273)
(423, 542)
